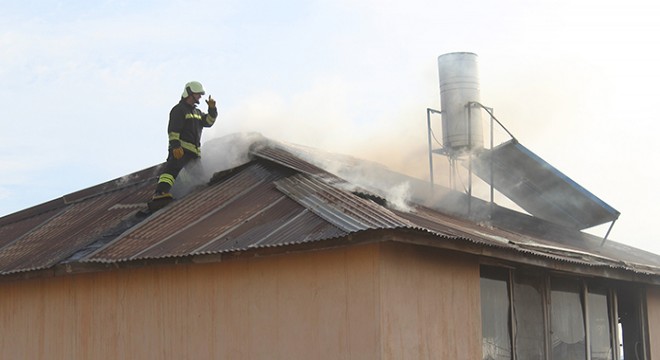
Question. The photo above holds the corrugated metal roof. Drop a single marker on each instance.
(174, 230)
(15, 230)
(283, 157)
(277, 199)
(538, 238)
(242, 212)
(341, 208)
(66, 232)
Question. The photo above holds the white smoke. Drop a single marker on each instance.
(399, 197)
(124, 180)
(218, 154)
(362, 175)
(233, 150)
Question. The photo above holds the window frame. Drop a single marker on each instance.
(611, 289)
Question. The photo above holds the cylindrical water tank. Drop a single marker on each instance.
(459, 85)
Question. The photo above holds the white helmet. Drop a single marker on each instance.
(193, 87)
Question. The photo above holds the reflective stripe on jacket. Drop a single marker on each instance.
(186, 124)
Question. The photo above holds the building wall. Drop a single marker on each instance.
(317, 305)
(430, 304)
(653, 311)
(378, 301)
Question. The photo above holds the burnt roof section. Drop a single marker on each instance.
(274, 201)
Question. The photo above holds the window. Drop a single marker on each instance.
(567, 332)
(532, 315)
(528, 316)
(600, 326)
(496, 343)
(630, 321)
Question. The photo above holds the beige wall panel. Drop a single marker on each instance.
(20, 329)
(653, 310)
(430, 304)
(316, 305)
(307, 307)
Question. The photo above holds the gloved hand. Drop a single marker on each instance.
(210, 102)
(177, 153)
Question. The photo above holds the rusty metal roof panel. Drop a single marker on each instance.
(256, 207)
(345, 210)
(188, 223)
(444, 225)
(304, 227)
(146, 176)
(283, 223)
(570, 245)
(71, 229)
(219, 223)
(283, 157)
(15, 230)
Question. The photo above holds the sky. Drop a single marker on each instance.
(87, 86)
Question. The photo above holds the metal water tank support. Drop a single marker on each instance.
(493, 119)
(462, 131)
(453, 155)
(430, 111)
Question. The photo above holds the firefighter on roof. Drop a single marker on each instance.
(184, 132)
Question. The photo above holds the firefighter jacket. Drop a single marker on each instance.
(186, 124)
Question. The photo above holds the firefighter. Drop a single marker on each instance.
(184, 132)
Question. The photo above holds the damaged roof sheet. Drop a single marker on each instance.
(275, 200)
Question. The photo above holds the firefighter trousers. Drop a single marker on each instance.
(172, 169)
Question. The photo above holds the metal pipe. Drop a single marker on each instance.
(585, 319)
(451, 173)
(428, 122)
(614, 322)
(608, 233)
(430, 132)
(492, 176)
(469, 130)
(490, 112)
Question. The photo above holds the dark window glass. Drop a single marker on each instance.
(599, 326)
(631, 319)
(554, 318)
(567, 321)
(496, 341)
(528, 316)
